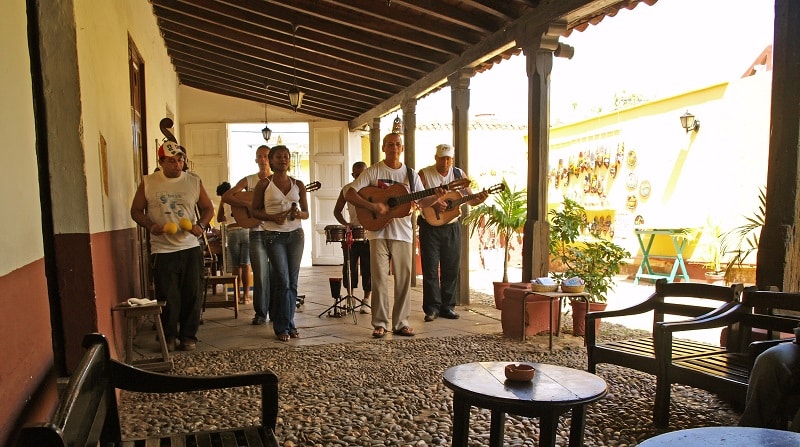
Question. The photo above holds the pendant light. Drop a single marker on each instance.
(295, 94)
(266, 132)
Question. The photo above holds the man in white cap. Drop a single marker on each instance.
(165, 204)
(440, 241)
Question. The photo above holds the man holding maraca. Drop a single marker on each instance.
(165, 204)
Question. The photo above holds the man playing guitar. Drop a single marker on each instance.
(258, 248)
(392, 241)
(440, 245)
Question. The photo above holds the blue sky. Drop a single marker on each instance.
(660, 50)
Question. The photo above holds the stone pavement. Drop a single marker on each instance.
(221, 331)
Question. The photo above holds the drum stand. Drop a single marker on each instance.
(338, 310)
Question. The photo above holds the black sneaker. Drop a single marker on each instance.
(430, 317)
(450, 314)
(259, 321)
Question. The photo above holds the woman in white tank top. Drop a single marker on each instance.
(280, 201)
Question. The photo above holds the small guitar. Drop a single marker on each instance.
(397, 199)
(242, 213)
(453, 200)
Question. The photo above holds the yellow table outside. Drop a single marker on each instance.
(679, 242)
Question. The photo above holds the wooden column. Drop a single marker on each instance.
(459, 102)
(538, 46)
(778, 248)
(409, 106)
(375, 142)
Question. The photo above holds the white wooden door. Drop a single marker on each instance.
(329, 164)
(207, 148)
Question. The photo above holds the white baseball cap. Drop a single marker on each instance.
(445, 150)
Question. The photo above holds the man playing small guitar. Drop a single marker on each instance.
(391, 241)
(440, 244)
(258, 247)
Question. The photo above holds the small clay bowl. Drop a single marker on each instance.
(519, 373)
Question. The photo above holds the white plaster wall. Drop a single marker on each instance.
(18, 173)
(102, 30)
(715, 172)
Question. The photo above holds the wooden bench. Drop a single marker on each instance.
(724, 373)
(689, 300)
(87, 411)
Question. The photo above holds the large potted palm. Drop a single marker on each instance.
(504, 214)
(593, 259)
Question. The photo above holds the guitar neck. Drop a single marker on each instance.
(399, 200)
(461, 200)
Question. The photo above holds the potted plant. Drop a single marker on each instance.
(742, 241)
(505, 214)
(715, 240)
(593, 259)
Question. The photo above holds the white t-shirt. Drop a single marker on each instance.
(351, 209)
(434, 179)
(170, 200)
(399, 228)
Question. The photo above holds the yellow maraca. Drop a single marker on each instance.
(170, 228)
(185, 224)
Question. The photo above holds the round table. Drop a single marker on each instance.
(725, 436)
(553, 391)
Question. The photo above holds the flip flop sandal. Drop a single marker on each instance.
(283, 337)
(405, 332)
(379, 332)
(294, 334)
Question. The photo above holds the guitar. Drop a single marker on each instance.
(398, 201)
(453, 200)
(242, 213)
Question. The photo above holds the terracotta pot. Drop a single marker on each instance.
(579, 316)
(715, 278)
(499, 288)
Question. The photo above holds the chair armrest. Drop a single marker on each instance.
(130, 378)
(714, 319)
(639, 308)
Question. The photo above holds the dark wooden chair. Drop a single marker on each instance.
(690, 300)
(724, 373)
(87, 412)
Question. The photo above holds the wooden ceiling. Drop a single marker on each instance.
(355, 59)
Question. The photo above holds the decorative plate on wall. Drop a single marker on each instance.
(644, 189)
(631, 159)
(632, 182)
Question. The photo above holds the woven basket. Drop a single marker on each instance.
(544, 288)
(572, 289)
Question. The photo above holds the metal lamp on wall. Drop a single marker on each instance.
(689, 122)
(295, 94)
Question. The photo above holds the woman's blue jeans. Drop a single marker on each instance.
(285, 250)
(260, 263)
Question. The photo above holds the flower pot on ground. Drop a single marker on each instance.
(504, 214)
(499, 289)
(579, 316)
(715, 277)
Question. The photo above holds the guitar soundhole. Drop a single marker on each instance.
(392, 202)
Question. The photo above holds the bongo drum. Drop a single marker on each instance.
(359, 234)
(334, 233)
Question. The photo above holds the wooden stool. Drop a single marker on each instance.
(132, 313)
(224, 280)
